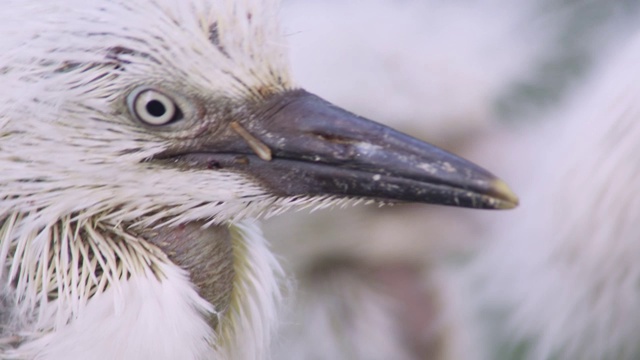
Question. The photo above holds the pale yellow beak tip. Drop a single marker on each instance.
(507, 199)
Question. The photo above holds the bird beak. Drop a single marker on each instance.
(298, 144)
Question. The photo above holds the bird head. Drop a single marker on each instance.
(167, 111)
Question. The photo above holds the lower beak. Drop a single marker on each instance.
(300, 145)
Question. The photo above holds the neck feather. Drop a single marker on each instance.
(57, 278)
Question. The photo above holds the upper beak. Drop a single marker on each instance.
(299, 144)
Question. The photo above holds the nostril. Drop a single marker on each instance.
(341, 148)
(336, 139)
(214, 165)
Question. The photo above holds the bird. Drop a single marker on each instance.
(139, 142)
(560, 280)
(363, 276)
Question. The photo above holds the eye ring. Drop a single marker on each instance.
(153, 107)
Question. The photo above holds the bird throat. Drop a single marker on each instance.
(207, 254)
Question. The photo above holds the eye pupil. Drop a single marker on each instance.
(153, 107)
(156, 108)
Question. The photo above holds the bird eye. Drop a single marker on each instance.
(153, 107)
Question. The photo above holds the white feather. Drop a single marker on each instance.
(140, 318)
(560, 280)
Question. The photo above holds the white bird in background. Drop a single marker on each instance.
(560, 281)
(137, 140)
(446, 71)
(435, 68)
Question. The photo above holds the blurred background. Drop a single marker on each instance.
(485, 79)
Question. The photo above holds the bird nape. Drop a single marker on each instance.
(138, 139)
